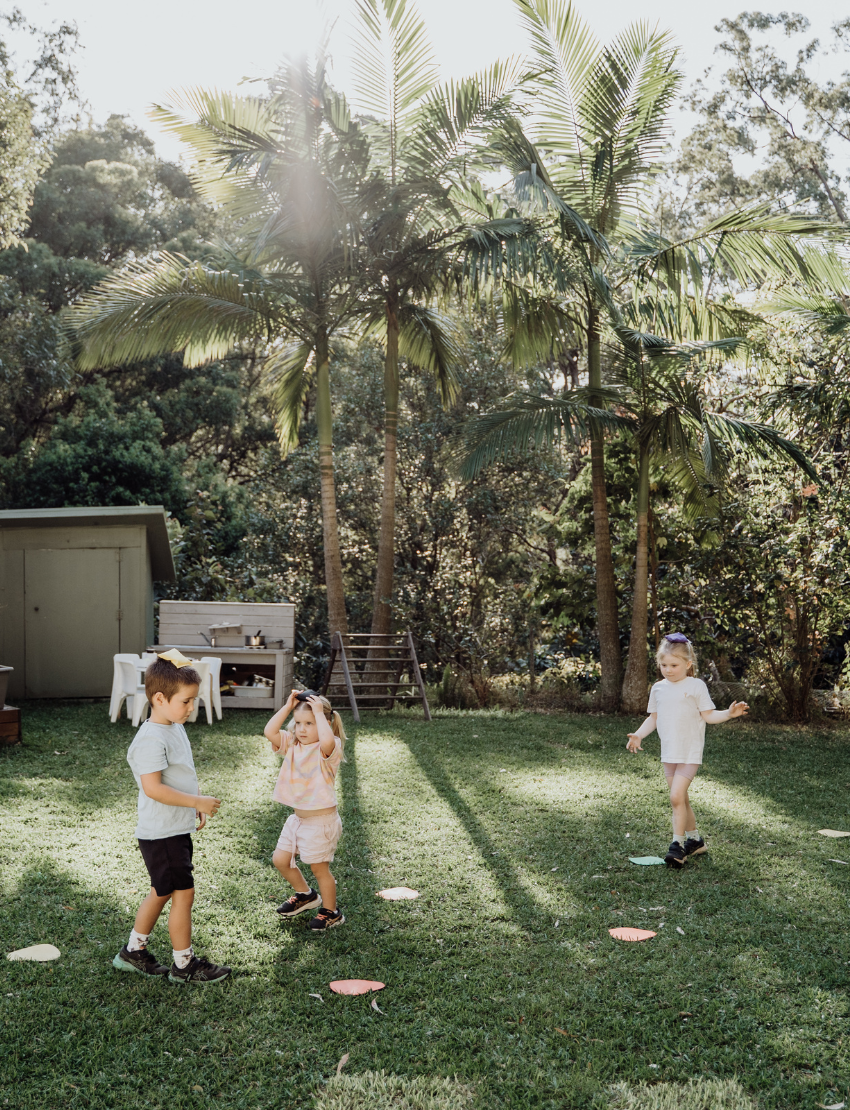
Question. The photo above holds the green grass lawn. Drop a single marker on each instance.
(504, 988)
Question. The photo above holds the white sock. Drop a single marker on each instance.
(694, 835)
(137, 941)
(183, 957)
(679, 838)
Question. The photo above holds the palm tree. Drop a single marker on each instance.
(601, 117)
(288, 171)
(667, 411)
(424, 221)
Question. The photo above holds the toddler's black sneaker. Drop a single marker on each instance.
(299, 902)
(695, 847)
(676, 855)
(327, 919)
(142, 961)
(198, 970)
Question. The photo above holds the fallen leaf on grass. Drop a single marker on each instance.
(759, 889)
(317, 996)
(554, 868)
(60, 753)
(844, 861)
(376, 1007)
(626, 933)
(680, 930)
(832, 832)
(196, 1087)
(832, 1106)
(69, 908)
(564, 1033)
(685, 1013)
(557, 922)
(343, 1061)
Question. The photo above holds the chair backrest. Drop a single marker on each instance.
(214, 664)
(129, 670)
(127, 657)
(203, 669)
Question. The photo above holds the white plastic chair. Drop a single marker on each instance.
(204, 695)
(215, 681)
(119, 690)
(131, 688)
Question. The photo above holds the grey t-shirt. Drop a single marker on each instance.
(163, 748)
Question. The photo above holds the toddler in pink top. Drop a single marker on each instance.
(312, 752)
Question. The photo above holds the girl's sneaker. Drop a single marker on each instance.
(142, 961)
(299, 902)
(198, 970)
(676, 856)
(327, 919)
(695, 847)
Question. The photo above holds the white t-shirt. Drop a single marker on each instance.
(163, 748)
(681, 729)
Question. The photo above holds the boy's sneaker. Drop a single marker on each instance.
(676, 856)
(141, 960)
(327, 919)
(198, 970)
(299, 902)
(695, 847)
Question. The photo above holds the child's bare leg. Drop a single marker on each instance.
(148, 913)
(293, 876)
(180, 919)
(683, 814)
(326, 883)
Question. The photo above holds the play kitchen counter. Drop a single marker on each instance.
(241, 664)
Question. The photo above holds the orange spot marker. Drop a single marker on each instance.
(625, 933)
(355, 986)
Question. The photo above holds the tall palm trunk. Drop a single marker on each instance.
(606, 590)
(635, 681)
(337, 619)
(381, 611)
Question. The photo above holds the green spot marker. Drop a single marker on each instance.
(645, 861)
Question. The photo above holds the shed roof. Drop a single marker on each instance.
(151, 516)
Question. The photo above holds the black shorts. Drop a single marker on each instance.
(169, 863)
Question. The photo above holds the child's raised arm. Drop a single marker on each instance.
(327, 740)
(648, 727)
(274, 726)
(721, 716)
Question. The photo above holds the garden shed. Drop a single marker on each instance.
(76, 588)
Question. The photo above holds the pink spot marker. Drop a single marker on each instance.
(397, 893)
(356, 986)
(625, 933)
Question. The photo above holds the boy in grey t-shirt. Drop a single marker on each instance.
(161, 760)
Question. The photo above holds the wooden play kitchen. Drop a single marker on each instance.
(254, 641)
(10, 717)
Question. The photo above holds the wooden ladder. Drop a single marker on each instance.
(368, 669)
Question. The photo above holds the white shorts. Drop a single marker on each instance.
(314, 839)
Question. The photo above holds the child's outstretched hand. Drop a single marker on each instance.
(634, 744)
(738, 709)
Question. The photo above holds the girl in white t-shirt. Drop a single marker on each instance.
(679, 706)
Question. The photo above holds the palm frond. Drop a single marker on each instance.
(531, 421)
(165, 305)
(289, 371)
(394, 66)
(433, 341)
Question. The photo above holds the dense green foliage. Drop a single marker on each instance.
(496, 576)
(516, 829)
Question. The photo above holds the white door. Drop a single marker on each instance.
(72, 621)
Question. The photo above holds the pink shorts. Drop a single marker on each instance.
(314, 839)
(687, 770)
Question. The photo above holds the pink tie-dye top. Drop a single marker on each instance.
(307, 779)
